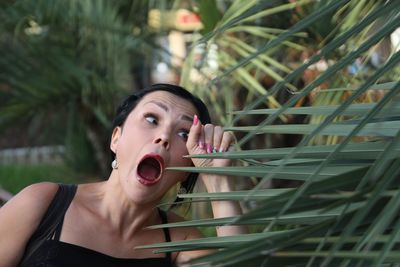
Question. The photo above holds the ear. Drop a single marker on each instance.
(116, 134)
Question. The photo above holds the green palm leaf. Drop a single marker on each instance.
(355, 181)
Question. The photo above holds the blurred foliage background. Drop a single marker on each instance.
(309, 87)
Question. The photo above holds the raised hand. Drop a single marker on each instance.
(206, 139)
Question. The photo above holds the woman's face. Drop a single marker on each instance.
(152, 138)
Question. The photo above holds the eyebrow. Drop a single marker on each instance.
(164, 107)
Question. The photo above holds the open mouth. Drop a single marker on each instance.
(150, 169)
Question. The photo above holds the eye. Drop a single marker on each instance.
(184, 134)
(151, 119)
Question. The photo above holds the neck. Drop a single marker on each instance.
(123, 214)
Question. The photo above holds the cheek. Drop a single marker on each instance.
(130, 145)
(132, 137)
(178, 159)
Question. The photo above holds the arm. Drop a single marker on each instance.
(206, 139)
(221, 209)
(19, 218)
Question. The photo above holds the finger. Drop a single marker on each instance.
(194, 134)
(227, 140)
(218, 134)
(209, 137)
(202, 142)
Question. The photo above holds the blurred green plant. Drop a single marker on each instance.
(14, 177)
(65, 65)
(236, 34)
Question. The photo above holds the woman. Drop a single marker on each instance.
(101, 223)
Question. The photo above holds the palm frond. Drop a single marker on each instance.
(345, 210)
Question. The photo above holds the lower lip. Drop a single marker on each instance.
(148, 182)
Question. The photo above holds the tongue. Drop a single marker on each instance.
(148, 171)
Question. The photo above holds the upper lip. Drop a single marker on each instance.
(157, 156)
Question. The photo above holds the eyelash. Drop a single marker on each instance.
(155, 122)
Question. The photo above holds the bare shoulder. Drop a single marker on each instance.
(19, 218)
(29, 205)
(37, 196)
(182, 233)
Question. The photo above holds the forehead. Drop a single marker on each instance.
(170, 101)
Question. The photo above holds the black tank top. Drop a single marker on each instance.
(46, 250)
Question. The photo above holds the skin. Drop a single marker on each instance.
(118, 210)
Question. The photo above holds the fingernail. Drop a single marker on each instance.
(215, 150)
(201, 145)
(209, 148)
(221, 150)
(195, 120)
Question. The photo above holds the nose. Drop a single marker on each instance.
(163, 139)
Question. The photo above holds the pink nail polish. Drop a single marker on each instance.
(209, 148)
(195, 120)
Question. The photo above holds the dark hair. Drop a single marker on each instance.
(130, 102)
